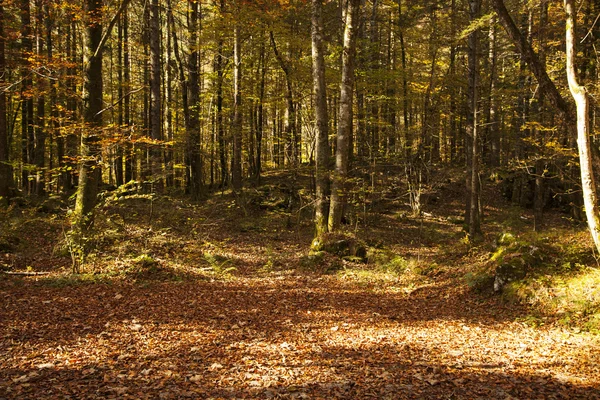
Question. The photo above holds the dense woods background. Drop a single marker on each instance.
(197, 96)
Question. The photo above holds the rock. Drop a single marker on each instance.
(341, 246)
(506, 273)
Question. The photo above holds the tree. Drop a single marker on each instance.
(473, 202)
(580, 95)
(89, 169)
(344, 131)
(5, 170)
(236, 165)
(322, 158)
(155, 89)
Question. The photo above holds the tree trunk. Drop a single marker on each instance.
(322, 157)
(338, 192)
(236, 165)
(90, 152)
(193, 127)
(155, 91)
(290, 112)
(580, 96)
(27, 126)
(40, 126)
(473, 215)
(260, 115)
(129, 158)
(5, 170)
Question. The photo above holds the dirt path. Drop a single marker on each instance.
(294, 336)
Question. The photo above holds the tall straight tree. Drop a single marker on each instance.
(193, 120)
(580, 94)
(236, 128)
(89, 169)
(322, 158)
(155, 87)
(344, 131)
(5, 170)
(473, 202)
(27, 125)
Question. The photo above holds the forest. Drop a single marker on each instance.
(299, 199)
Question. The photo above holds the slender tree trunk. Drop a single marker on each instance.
(532, 59)
(322, 157)
(493, 133)
(118, 162)
(193, 128)
(5, 170)
(27, 125)
(219, 68)
(40, 126)
(290, 114)
(472, 128)
(338, 191)
(236, 166)
(453, 114)
(155, 90)
(405, 100)
(260, 114)
(580, 96)
(129, 158)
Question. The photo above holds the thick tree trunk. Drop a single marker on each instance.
(90, 170)
(322, 156)
(580, 95)
(338, 191)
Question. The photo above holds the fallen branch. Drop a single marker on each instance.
(26, 273)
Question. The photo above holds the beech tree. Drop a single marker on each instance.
(580, 95)
(351, 14)
(322, 158)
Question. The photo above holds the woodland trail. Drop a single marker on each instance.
(288, 336)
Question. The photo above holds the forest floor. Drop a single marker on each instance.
(217, 300)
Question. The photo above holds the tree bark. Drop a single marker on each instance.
(580, 96)
(90, 170)
(474, 218)
(27, 126)
(338, 191)
(5, 170)
(155, 90)
(236, 165)
(290, 112)
(193, 127)
(322, 154)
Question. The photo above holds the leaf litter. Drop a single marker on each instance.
(281, 332)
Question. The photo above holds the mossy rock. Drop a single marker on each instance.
(341, 245)
(507, 273)
(52, 205)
